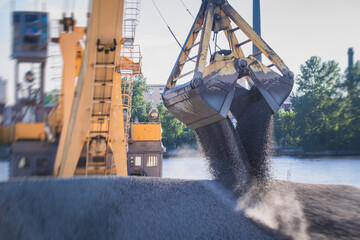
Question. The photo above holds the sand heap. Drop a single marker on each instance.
(152, 208)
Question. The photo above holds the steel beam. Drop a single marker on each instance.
(204, 41)
(68, 46)
(105, 23)
(255, 38)
(118, 142)
(184, 54)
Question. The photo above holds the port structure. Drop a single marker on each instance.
(89, 130)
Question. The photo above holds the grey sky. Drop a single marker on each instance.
(295, 29)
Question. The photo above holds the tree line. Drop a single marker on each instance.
(326, 109)
(325, 114)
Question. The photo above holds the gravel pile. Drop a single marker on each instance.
(122, 208)
(151, 208)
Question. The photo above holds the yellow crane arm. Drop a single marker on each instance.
(103, 33)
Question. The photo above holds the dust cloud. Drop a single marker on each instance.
(277, 208)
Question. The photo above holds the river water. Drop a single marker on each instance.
(326, 170)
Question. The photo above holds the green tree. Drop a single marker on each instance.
(187, 137)
(140, 108)
(317, 102)
(284, 127)
(171, 128)
(174, 132)
(350, 124)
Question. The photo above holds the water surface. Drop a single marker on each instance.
(4, 171)
(324, 170)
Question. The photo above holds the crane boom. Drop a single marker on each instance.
(89, 113)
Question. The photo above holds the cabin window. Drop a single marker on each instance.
(24, 163)
(152, 161)
(16, 18)
(31, 18)
(42, 162)
(137, 161)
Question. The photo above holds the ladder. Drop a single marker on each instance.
(97, 148)
(129, 66)
(131, 20)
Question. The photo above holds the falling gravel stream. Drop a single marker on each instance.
(239, 157)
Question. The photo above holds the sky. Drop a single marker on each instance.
(294, 29)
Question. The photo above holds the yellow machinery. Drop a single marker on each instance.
(227, 81)
(89, 130)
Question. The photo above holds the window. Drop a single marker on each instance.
(44, 19)
(151, 91)
(152, 161)
(23, 163)
(137, 161)
(41, 162)
(43, 36)
(30, 30)
(31, 34)
(31, 18)
(16, 18)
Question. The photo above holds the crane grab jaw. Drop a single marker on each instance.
(230, 82)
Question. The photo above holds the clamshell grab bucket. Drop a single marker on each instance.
(214, 90)
(219, 93)
(208, 103)
(272, 86)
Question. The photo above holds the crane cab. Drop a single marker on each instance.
(145, 154)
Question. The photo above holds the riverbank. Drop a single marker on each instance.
(287, 151)
(153, 208)
(301, 152)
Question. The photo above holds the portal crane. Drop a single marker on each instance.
(91, 122)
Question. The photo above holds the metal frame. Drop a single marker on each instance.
(213, 90)
(204, 23)
(105, 24)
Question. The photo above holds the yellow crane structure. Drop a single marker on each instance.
(90, 126)
(96, 108)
